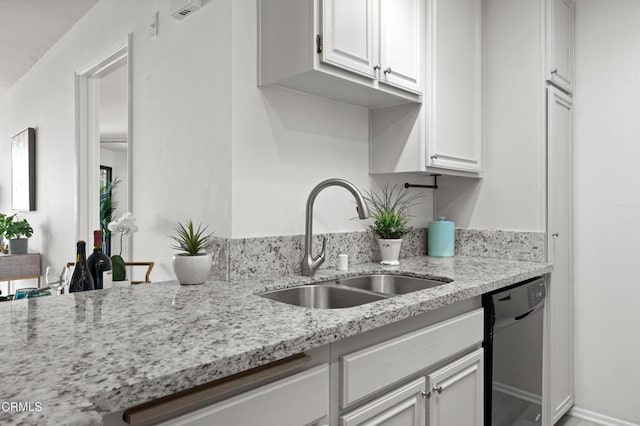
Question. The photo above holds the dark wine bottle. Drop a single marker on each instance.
(81, 279)
(99, 264)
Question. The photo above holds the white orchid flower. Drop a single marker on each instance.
(125, 225)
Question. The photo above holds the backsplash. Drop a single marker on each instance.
(243, 258)
(498, 244)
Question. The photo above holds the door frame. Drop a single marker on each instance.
(87, 137)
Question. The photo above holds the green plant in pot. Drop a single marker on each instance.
(390, 210)
(193, 264)
(18, 233)
(4, 224)
(125, 225)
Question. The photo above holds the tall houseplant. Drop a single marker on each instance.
(193, 264)
(390, 211)
(107, 206)
(18, 233)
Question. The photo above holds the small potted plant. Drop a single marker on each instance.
(18, 233)
(125, 225)
(390, 210)
(193, 264)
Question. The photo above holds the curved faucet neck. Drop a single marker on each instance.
(310, 264)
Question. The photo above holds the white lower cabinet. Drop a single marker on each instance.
(456, 397)
(404, 406)
(301, 399)
(431, 376)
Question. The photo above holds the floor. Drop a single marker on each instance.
(516, 412)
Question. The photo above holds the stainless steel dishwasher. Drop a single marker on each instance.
(514, 321)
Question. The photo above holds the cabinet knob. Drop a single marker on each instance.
(388, 70)
(434, 157)
(554, 71)
(376, 67)
(555, 234)
(426, 394)
(437, 389)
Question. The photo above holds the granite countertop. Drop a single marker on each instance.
(77, 357)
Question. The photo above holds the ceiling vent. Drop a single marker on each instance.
(180, 9)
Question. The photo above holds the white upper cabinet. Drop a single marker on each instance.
(444, 134)
(362, 52)
(454, 116)
(348, 35)
(400, 35)
(560, 40)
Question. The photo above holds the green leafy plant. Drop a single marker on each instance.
(4, 224)
(190, 240)
(108, 205)
(390, 210)
(17, 229)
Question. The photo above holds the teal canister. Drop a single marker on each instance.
(441, 238)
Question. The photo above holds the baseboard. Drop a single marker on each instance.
(601, 419)
(517, 393)
(563, 408)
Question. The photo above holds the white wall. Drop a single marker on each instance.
(181, 135)
(510, 195)
(607, 153)
(284, 143)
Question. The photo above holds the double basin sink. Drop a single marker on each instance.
(350, 292)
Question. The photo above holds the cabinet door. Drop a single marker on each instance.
(560, 30)
(454, 114)
(401, 35)
(350, 36)
(404, 406)
(297, 400)
(560, 251)
(456, 393)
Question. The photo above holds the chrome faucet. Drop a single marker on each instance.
(309, 264)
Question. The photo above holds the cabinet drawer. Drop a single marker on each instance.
(371, 369)
(297, 400)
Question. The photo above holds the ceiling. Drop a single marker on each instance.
(28, 28)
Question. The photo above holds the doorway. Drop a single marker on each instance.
(103, 144)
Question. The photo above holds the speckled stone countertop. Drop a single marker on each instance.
(84, 355)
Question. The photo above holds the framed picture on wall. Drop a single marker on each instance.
(23, 170)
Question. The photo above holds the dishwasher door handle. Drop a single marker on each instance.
(523, 316)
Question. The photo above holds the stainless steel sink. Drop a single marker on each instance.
(390, 284)
(323, 296)
(353, 291)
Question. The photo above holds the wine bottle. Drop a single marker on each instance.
(99, 264)
(81, 279)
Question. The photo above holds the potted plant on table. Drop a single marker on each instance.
(390, 210)
(125, 225)
(18, 233)
(193, 264)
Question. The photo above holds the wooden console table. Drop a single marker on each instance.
(19, 267)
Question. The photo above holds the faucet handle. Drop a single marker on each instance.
(324, 246)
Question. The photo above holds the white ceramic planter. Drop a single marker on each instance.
(192, 269)
(390, 251)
